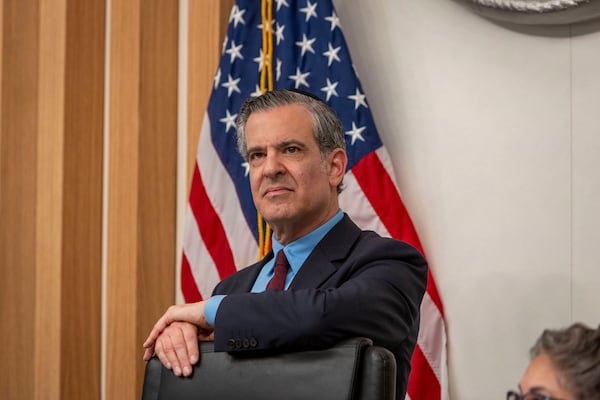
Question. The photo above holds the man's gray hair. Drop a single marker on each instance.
(327, 127)
(575, 351)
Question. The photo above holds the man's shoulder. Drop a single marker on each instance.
(347, 241)
(348, 229)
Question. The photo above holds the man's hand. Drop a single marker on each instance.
(174, 337)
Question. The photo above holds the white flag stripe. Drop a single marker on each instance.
(386, 161)
(354, 202)
(221, 192)
(201, 263)
(432, 336)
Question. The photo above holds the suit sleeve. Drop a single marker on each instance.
(375, 292)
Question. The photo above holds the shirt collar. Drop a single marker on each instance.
(299, 250)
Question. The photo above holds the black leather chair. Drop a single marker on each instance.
(351, 370)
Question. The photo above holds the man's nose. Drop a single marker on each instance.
(272, 165)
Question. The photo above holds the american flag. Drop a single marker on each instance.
(221, 233)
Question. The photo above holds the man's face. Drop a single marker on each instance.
(293, 187)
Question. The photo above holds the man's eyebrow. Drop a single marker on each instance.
(280, 145)
(287, 143)
(254, 148)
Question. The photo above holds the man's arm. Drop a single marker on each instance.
(375, 292)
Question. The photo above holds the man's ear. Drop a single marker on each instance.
(338, 160)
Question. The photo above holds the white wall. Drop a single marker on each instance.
(494, 132)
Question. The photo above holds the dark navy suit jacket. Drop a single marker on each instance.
(354, 283)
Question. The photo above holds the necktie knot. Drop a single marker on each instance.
(281, 268)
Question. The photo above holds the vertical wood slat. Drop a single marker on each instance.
(207, 28)
(82, 199)
(50, 193)
(18, 191)
(123, 186)
(141, 186)
(49, 201)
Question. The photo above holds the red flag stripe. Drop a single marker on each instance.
(381, 192)
(422, 383)
(378, 187)
(188, 284)
(210, 227)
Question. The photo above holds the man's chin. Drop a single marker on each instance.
(275, 217)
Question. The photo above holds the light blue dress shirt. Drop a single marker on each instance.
(296, 252)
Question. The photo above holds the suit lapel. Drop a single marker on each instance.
(246, 277)
(325, 258)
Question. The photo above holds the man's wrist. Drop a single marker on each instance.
(211, 308)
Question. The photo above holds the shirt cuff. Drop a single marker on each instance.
(211, 308)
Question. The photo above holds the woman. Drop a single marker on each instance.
(565, 365)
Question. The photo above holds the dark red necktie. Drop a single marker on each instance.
(281, 267)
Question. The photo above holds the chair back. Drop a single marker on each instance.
(352, 370)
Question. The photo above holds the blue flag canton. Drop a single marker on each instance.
(310, 53)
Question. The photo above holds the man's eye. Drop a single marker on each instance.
(292, 149)
(255, 156)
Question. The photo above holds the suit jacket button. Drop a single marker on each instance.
(246, 343)
(231, 344)
(253, 342)
(238, 343)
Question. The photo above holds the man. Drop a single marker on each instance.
(341, 282)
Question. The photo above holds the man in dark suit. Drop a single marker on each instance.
(334, 281)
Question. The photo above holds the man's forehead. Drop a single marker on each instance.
(294, 123)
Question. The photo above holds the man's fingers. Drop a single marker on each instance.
(181, 352)
(170, 355)
(157, 329)
(190, 334)
(160, 353)
(148, 353)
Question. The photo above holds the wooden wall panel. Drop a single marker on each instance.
(50, 197)
(50, 188)
(141, 186)
(122, 345)
(18, 189)
(82, 199)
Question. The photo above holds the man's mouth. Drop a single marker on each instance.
(275, 190)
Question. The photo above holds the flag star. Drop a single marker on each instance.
(280, 3)
(279, 32)
(246, 167)
(309, 10)
(217, 78)
(269, 26)
(332, 54)
(330, 90)
(224, 46)
(299, 78)
(260, 60)
(257, 92)
(335, 21)
(306, 44)
(355, 133)
(228, 120)
(278, 74)
(359, 99)
(231, 85)
(237, 16)
(234, 51)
